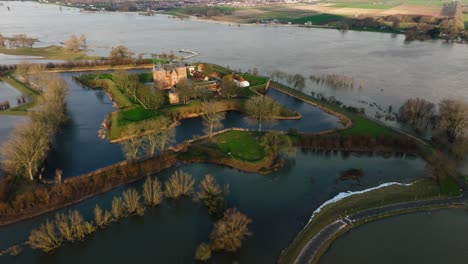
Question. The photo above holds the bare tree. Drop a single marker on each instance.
(152, 192)
(160, 133)
(179, 184)
(132, 147)
(417, 113)
(261, 109)
(24, 152)
(72, 44)
(212, 195)
(298, 81)
(229, 231)
(45, 238)
(453, 118)
(212, 116)
(131, 199)
(120, 52)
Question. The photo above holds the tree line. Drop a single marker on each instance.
(17, 41)
(25, 151)
(448, 120)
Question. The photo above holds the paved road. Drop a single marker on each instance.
(310, 250)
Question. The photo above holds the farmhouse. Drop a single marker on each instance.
(240, 82)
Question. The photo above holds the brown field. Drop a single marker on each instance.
(435, 11)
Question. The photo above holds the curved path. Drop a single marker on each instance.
(309, 252)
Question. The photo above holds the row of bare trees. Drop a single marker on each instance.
(147, 138)
(17, 41)
(27, 147)
(449, 117)
(227, 234)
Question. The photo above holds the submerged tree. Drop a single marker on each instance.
(131, 199)
(102, 218)
(45, 238)
(212, 195)
(118, 208)
(453, 118)
(179, 184)
(120, 52)
(212, 117)
(261, 109)
(229, 231)
(152, 192)
(418, 113)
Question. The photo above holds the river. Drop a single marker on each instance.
(391, 69)
(426, 237)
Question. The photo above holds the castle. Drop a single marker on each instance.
(166, 76)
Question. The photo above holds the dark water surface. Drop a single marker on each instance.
(426, 237)
(280, 205)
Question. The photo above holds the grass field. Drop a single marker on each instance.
(51, 52)
(231, 146)
(466, 20)
(240, 145)
(21, 109)
(424, 188)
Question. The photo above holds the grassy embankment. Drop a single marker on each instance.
(51, 52)
(421, 189)
(24, 89)
(360, 124)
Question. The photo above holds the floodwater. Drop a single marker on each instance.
(390, 69)
(279, 204)
(426, 237)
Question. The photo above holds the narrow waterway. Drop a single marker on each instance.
(425, 237)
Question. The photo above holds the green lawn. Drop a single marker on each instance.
(51, 52)
(466, 20)
(424, 188)
(135, 114)
(146, 77)
(21, 109)
(241, 145)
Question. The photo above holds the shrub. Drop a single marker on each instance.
(203, 252)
